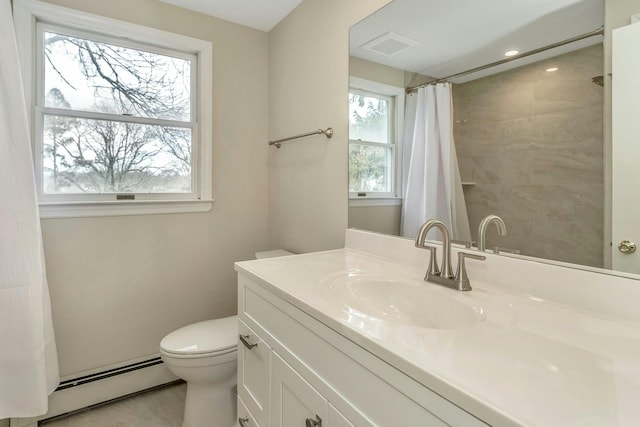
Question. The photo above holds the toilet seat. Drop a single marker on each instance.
(203, 339)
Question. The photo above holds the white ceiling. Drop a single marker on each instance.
(457, 35)
(259, 14)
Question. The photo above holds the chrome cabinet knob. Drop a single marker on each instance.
(245, 340)
(627, 247)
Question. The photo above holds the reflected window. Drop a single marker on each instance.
(372, 144)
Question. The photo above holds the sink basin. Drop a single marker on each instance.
(404, 301)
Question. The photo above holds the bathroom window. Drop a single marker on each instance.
(374, 112)
(115, 119)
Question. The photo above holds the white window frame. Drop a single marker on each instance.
(28, 16)
(397, 95)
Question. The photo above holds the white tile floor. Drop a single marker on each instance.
(158, 408)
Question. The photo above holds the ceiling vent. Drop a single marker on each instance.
(389, 44)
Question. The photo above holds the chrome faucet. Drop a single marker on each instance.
(446, 247)
(482, 229)
(443, 276)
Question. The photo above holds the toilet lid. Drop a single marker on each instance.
(210, 336)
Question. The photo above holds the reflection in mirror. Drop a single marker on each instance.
(524, 139)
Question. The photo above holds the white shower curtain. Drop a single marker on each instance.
(28, 358)
(431, 178)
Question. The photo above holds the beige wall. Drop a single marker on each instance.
(308, 89)
(119, 284)
(381, 219)
(376, 72)
(532, 142)
(384, 74)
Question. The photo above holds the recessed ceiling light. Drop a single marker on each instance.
(511, 53)
(552, 69)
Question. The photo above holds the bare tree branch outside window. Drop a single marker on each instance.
(128, 147)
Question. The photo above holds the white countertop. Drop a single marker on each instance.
(524, 362)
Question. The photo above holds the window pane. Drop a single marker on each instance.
(98, 156)
(86, 75)
(369, 168)
(368, 118)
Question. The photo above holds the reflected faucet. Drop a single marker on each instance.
(444, 276)
(482, 229)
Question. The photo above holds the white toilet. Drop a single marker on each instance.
(204, 354)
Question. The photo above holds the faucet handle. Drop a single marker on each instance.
(433, 269)
(461, 277)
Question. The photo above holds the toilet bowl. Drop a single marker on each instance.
(204, 354)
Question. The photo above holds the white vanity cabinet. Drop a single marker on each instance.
(302, 373)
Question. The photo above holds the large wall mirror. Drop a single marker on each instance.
(524, 91)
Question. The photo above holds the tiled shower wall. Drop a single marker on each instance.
(532, 142)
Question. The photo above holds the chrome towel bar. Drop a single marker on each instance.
(327, 132)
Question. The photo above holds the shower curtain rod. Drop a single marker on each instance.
(593, 33)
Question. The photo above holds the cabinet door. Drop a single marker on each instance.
(254, 357)
(294, 402)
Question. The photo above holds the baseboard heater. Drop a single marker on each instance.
(75, 382)
(99, 386)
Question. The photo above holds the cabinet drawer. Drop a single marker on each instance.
(254, 359)
(245, 419)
